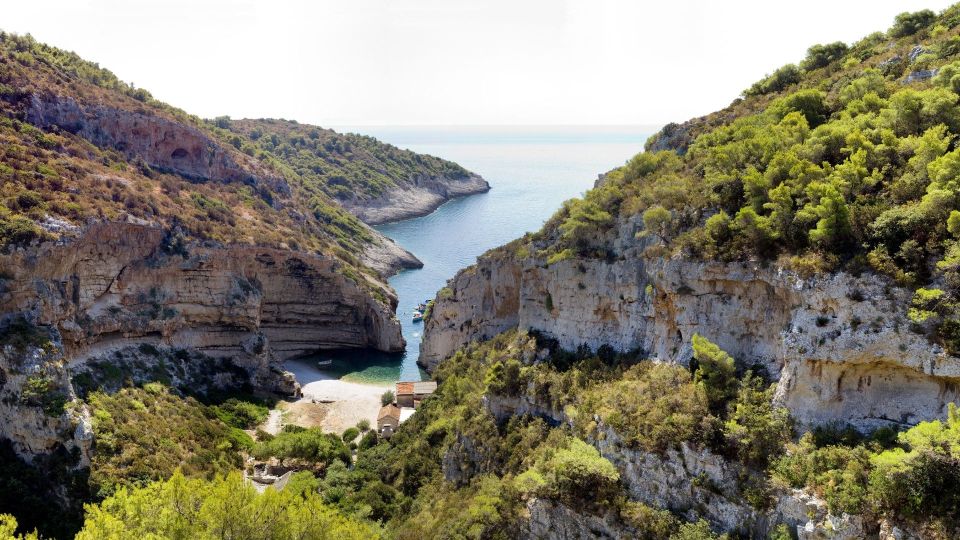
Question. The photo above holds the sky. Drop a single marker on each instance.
(448, 62)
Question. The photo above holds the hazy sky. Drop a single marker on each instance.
(418, 62)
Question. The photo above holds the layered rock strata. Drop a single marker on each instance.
(121, 288)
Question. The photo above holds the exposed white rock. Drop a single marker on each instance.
(840, 345)
(418, 196)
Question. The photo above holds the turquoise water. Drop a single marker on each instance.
(531, 171)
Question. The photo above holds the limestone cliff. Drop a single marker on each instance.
(690, 481)
(121, 289)
(840, 345)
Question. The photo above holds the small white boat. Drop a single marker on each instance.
(324, 363)
(417, 316)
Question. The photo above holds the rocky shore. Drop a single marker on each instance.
(419, 197)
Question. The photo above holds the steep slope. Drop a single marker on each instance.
(805, 229)
(810, 230)
(127, 226)
(140, 244)
(80, 144)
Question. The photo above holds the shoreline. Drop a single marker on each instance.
(331, 403)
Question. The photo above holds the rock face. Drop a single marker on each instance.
(693, 483)
(124, 287)
(553, 520)
(386, 257)
(698, 484)
(418, 197)
(841, 346)
(164, 144)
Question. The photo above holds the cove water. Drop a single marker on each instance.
(531, 172)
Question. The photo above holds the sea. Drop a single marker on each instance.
(531, 171)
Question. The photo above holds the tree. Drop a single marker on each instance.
(812, 104)
(716, 372)
(949, 77)
(387, 398)
(363, 425)
(819, 56)
(829, 208)
(584, 222)
(778, 81)
(226, 507)
(755, 229)
(755, 429)
(8, 529)
(575, 472)
(908, 24)
(656, 220)
(718, 228)
(953, 223)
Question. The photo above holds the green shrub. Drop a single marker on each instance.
(650, 523)
(907, 24)
(241, 414)
(143, 435)
(387, 398)
(819, 56)
(573, 473)
(756, 430)
(311, 445)
(778, 81)
(715, 371)
(350, 434)
(652, 406)
(224, 507)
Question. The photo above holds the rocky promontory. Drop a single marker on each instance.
(419, 196)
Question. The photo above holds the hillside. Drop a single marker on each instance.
(139, 244)
(750, 330)
(375, 181)
(81, 145)
(805, 238)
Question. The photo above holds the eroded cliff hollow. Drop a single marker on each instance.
(840, 345)
(137, 295)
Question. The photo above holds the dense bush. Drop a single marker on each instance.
(308, 444)
(916, 479)
(8, 529)
(145, 434)
(574, 473)
(819, 56)
(907, 24)
(715, 370)
(652, 406)
(226, 507)
(778, 81)
(241, 414)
